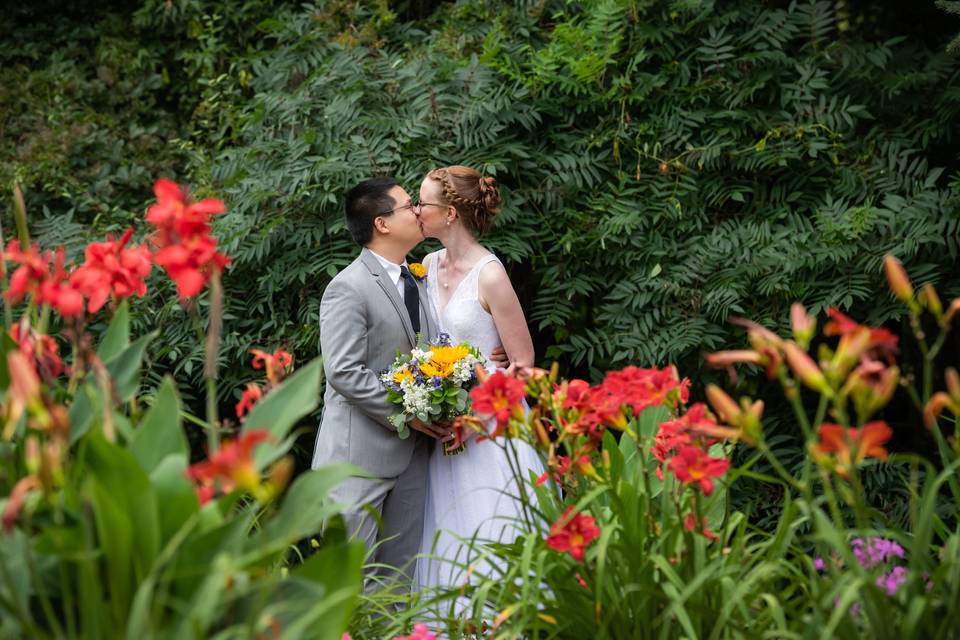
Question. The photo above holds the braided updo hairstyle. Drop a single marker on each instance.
(475, 197)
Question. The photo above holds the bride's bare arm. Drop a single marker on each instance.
(497, 296)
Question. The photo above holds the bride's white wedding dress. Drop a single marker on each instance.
(472, 495)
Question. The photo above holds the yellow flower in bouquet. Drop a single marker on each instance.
(443, 361)
(432, 383)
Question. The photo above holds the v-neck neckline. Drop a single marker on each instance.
(453, 294)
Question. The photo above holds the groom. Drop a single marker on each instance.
(369, 311)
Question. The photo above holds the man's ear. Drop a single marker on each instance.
(380, 225)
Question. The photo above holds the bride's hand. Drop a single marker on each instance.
(499, 357)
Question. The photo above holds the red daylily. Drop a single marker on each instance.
(883, 341)
(642, 388)
(693, 464)
(112, 269)
(690, 523)
(499, 396)
(572, 534)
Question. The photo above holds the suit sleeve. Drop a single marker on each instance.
(343, 344)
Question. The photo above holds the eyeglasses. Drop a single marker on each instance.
(430, 204)
(410, 205)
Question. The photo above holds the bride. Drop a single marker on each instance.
(472, 495)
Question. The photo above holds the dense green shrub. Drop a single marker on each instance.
(665, 165)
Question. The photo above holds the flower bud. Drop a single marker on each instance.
(724, 405)
(805, 368)
(897, 279)
(930, 300)
(953, 384)
(803, 324)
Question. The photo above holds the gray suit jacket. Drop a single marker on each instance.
(363, 323)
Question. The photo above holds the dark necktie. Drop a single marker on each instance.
(411, 297)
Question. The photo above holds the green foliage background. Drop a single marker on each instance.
(665, 165)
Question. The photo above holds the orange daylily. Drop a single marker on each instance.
(843, 448)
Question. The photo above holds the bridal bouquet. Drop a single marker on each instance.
(432, 383)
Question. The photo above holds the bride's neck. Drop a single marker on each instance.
(461, 246)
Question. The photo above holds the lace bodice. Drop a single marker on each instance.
(464, 318)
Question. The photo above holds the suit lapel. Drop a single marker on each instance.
(389, 290)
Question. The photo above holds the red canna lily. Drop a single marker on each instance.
(275, 363)
(573, 534)
(232, 466)
(15, 500)
(844, 448)
(26, 278)
(112, 269)
(40, 349)
(185, 249)
(500, 397)
(693, 464)
(251, 394)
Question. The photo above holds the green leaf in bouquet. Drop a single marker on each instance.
(399, 421)
(159, 433)
(117, 337)
(279, 411)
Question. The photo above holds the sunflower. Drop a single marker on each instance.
(443, 360)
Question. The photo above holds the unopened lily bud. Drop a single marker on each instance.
(930, 300)
(724, 405)
(805, 368)
(898, 279)
(953, 383)
(937, 403)
(802, 324)
(951, 311)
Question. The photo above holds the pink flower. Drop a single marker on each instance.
(420, 632)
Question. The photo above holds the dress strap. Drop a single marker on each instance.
(473, 278)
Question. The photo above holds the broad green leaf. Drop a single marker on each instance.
(160, 434)
(279, 411)
(117, 336)
(304, 508)
(126, 513)
(175, 494)
(335, 572)
(124, 368)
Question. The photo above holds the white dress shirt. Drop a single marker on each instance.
(393, 272)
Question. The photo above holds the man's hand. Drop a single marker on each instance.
(441, 432)
(499, 357)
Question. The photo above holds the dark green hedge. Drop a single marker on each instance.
(665, 164)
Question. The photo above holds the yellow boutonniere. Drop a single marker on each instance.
(418, 270)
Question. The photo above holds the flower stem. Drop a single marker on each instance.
(210, 362)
